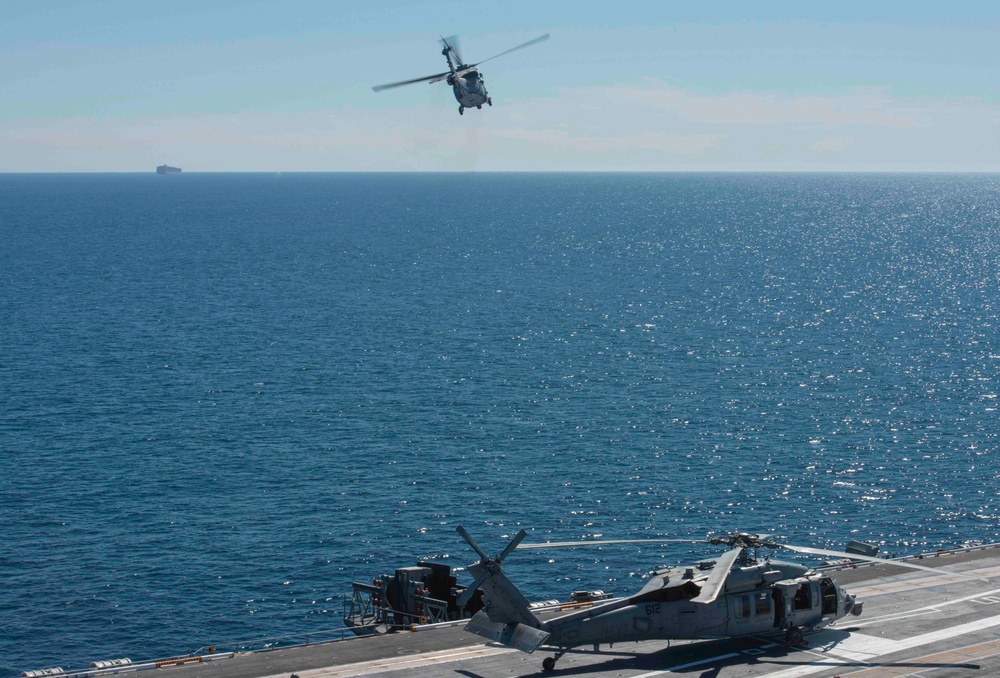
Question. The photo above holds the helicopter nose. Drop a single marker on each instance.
(851, 605)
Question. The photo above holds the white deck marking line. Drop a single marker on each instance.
(682, 667)
(931, 608)
(962, 656)
(924, 582)
(399, 663)
(855, 647)
(859, 647)
(896, 616)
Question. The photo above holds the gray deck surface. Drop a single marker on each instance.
(914, 624)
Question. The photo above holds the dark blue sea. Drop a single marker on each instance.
(223, 397)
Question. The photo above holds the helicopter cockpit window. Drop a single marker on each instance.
(829, 593)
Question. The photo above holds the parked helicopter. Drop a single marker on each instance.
(466, 81)
(734, 595)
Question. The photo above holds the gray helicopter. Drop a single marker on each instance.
(733, 595)
(467, 83)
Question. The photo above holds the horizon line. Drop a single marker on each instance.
(636, 171)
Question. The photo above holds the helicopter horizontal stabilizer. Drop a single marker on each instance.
(518, 636)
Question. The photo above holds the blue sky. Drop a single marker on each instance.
(634, 86)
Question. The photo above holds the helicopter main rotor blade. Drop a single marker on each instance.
(711, 589)
(571, 544)
(427, 78)
(880, 561)
(541, 38)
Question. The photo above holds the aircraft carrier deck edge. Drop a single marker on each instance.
(914, 623)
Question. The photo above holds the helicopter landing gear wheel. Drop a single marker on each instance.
(480, 107)
(549, 663)
(794, 636)
(489, 101)
(461, 110)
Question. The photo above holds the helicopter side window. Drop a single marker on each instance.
(742, 607)
(802, 598)
(763, 603)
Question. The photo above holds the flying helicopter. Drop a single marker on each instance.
(467, 83)
(734, 595)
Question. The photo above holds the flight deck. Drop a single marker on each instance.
(915, 623)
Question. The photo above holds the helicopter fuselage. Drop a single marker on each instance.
(759, 598)
(469, 90)
(731, 596)
(465, 80)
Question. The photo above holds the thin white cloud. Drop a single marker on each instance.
(674, 144)
(641, 126)
(864, 108)
(832, 144)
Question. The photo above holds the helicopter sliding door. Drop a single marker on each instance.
(751, 612)
(801, 603)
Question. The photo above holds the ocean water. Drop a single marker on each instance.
(225, 397)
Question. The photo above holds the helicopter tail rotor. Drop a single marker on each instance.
(451, 44)
(488, 566)
(506, 616)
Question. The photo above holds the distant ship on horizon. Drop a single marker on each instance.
(167, 169)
